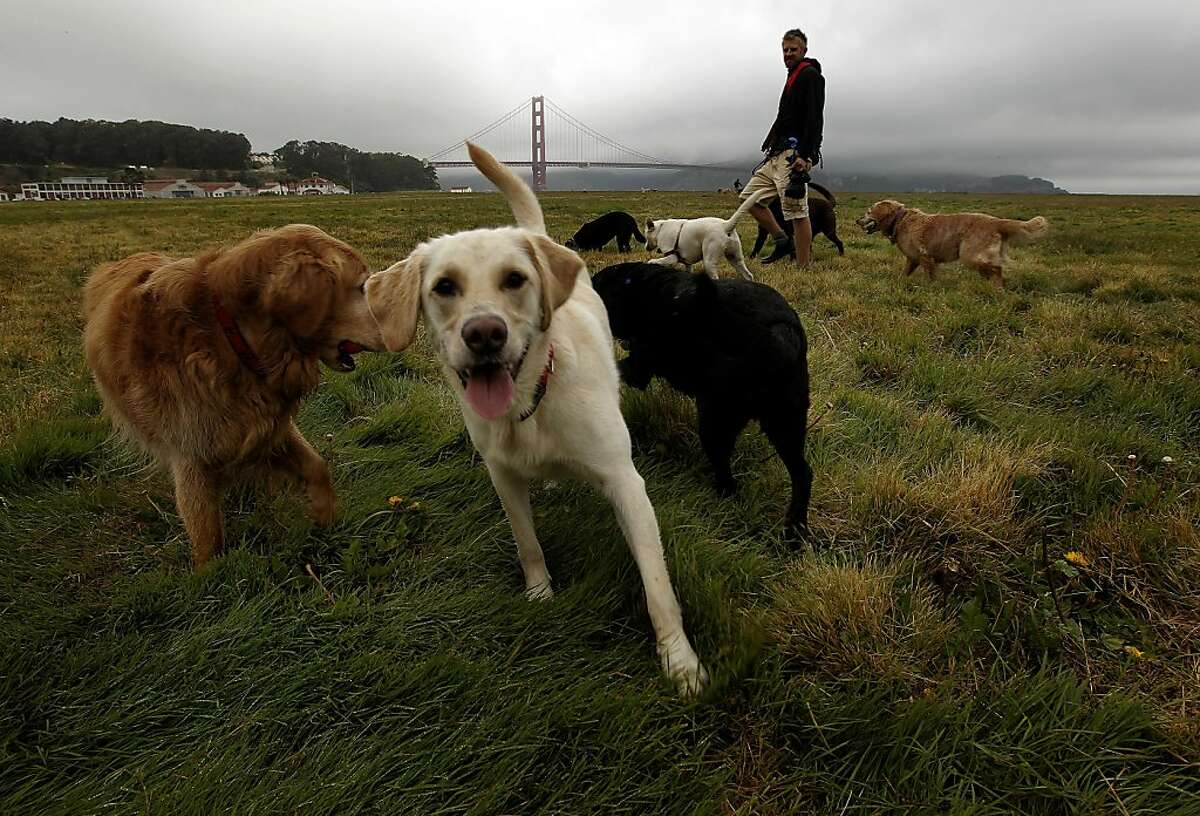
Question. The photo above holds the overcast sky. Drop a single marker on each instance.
(1096, 96)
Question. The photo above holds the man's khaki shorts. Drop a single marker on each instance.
(773, 175)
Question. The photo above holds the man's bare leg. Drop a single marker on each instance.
(783, 241)
(766, 220)
(802, 235)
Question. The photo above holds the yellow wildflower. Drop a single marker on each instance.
(1077, 558)
(396, 501)
(1134, 652)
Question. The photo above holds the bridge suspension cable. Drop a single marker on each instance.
(527, 137)
(600, 137)
(483, 131)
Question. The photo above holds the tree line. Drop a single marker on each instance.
(97, 143)
(364, 172)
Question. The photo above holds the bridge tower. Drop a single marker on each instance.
(538, 159)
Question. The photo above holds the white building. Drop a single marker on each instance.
(79, 187)
(318, 186)
(224, 189)
(274, 188)
(166, 188)
(461, 190)
(3, 196)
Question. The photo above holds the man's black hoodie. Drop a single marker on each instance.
(801, 113)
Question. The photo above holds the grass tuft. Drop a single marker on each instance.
(995, 613)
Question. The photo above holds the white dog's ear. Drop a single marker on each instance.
(558, 268)
(394, 300)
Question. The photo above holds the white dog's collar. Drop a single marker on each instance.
(539, 391)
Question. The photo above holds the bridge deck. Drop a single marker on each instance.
(585, 164)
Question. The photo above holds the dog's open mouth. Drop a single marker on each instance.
(868, 224)
(345, 359)
(488, 386)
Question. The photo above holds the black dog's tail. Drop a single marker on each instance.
(637, 233)
(820, 188)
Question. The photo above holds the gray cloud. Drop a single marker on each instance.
(1097, 96)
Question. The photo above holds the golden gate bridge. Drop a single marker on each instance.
(524, 137)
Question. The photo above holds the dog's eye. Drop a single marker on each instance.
(445, 287)
(513, 280)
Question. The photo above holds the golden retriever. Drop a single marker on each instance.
(980, 241)
(204, 361)
(525, 345)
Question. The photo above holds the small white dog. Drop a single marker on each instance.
(524, 342)
(706, 240)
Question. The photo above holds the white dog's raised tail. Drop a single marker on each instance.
(732, 221)
(521, 200)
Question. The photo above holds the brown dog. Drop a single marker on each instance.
(979, 241)
(203, 361)
(822, 217)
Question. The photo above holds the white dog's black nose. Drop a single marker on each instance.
(485, 335)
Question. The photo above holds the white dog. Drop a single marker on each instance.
(697, 240)
(524, 342)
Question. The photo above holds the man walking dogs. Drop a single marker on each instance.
(792, 146)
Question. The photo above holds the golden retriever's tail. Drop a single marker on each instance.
(521, 200)
(1025, 232)
(740, 211)
(109, 278)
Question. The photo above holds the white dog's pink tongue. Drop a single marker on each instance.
(490, 391)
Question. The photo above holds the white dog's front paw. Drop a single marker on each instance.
(539, 592)
(683, 666)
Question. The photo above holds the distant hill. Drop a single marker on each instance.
(34, 149)
(938, 183)
(844, 179)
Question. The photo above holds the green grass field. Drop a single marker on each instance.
(936, 651)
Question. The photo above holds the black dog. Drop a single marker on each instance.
(735, 345)
(820, 214)
(595, 234)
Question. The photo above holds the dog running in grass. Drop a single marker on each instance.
(736, 346)
(204, 361)
(927, 240)
(524, 343)
(701, 240)
(822, 216)
(596, 234)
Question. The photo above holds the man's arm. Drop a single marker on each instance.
(810, 112)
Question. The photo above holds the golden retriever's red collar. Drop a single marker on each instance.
(236, 338)
(892, 228)
(540, 390)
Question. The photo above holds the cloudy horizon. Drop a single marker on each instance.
(1092, 96)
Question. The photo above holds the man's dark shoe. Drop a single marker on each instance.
(783, 248)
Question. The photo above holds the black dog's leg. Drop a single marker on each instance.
(623, 240)
(719, 430)
(787, 435)
(758, 242)
(776, 208)
(636, 370)
(831, 234)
